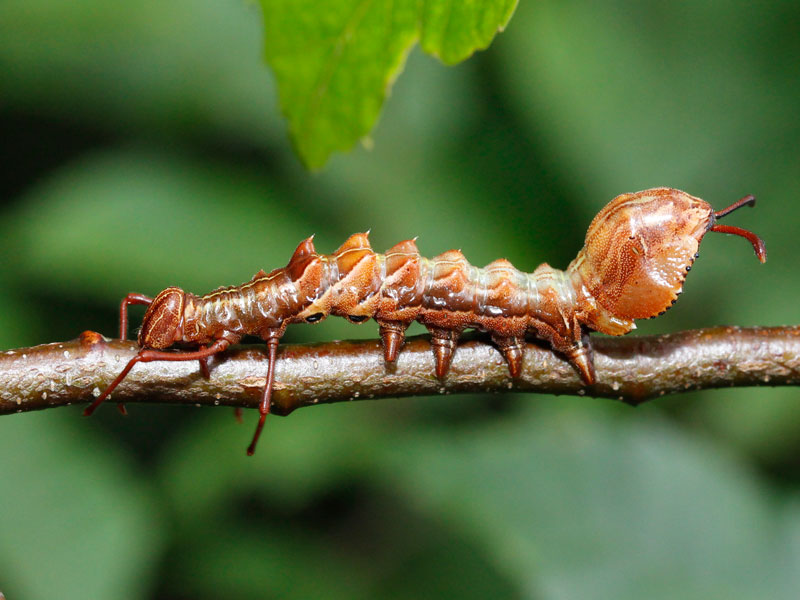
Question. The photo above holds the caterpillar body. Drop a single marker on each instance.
(637, 253)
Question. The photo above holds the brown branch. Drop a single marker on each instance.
(630, 369)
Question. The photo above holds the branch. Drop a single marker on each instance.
(630, 369)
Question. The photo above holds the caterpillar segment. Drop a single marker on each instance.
(636, 255)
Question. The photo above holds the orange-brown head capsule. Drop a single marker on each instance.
(161, 326)
(640, 247)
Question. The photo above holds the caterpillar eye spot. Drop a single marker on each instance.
(357, 318)
(314, 318)
(688, 268)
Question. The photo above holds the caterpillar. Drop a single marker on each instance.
(634, 261)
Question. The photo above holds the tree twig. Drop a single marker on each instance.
(629, 369)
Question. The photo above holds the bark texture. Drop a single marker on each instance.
(629, 369)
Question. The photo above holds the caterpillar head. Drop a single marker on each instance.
(640, 246)
(161, 326)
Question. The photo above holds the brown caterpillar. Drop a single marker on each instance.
(637, 252)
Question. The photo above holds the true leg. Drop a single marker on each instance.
(132, 298)
(123, 311)
(204, 367)
(263, 408)
(146, 355)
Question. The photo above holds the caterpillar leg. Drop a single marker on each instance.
(266, 396)
(123, 311)
(444, 343)
(146, 355)
(132, 298)
(204, 367)
(513, 350)
(393, 334)
(580, 355)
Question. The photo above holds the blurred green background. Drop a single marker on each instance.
(142, 147)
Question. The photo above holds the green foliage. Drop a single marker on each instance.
(141, 149)
(592, 504)
(81, 526)
(335, 61)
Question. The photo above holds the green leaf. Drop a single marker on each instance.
(335, 60)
